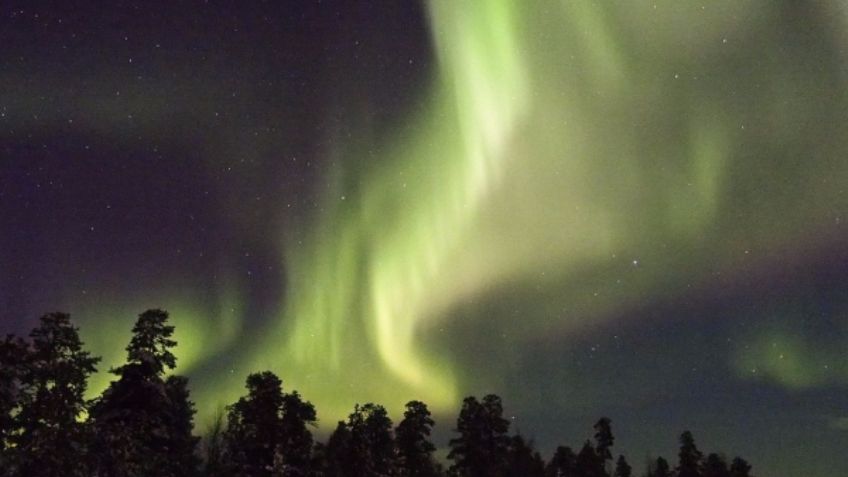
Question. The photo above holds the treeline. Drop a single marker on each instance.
(142, 425)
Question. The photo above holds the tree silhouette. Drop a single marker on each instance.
(14, 353)
(213, 449)
(523, 460)
(660, 468)
(295, 448)
(415, 451)
(622, 468)
(603, 439)
(715, 466)
(589, 463)
(337, 456)
(143, 423)
(141, 426)
(480, 450)
(562, 464)
(52, 438)
(254, 426)
(371, 442)
(690, 457)
(740, 468)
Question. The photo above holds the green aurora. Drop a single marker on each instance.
(557, 144)
(564, 166)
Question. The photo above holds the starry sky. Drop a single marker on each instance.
(632, 209)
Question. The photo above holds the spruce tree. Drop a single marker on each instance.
(589, 463)
(622, 468)
(661, 468)
(52, 440)
(336, 458)
(295, 447)
(562, 464)
(371, 441)
(740, 468)
(523, 460)
(254, 427)
(143, 422)
(480, 450)
(603, 439)
(14, 353)
(415, 451)
(690, 457)
(715, 466)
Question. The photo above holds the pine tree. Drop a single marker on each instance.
(415, 451)
(254, 426)
(14, 353)
(622, 468)
(336, 458)
(690, 457)
(52, 438)
(295, 448)
(589, 463)
(715, 466)
(603, 439)
(562, 464)
(660, 468)
(371, 441)
(740, 468)
(523, 460)
(143, 423)
(481, 448)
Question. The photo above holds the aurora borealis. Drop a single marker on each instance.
(633, 209)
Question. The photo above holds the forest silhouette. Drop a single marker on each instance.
(142, 425)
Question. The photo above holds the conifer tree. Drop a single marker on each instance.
(52, 439)
(143, 423)
(562, 464)
(480, 450)
(589, 463)
(295, 447)
(622, 468)
(661, 468)
(415, 451)
(14, 353)
(337, 456)
(371, 441)
(690, 457)
(604, 439)
(523, 460)
(740, 468)
(254, 426)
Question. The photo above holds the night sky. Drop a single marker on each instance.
(632, 209)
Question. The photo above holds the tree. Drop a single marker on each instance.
(415, 451)
(622, 468)
(740, 468)
(562, 464)
(660, 468)
(523, 460)
(715, 466)
(371, 441)
(181, 443)
(295, 447)
(143, 422)
(603, 439)
(481, 448)
(51, 437)
(213, 449)
(254, 426)
(336, 457)
(14, 353)
(690, 457)
(589, 463)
